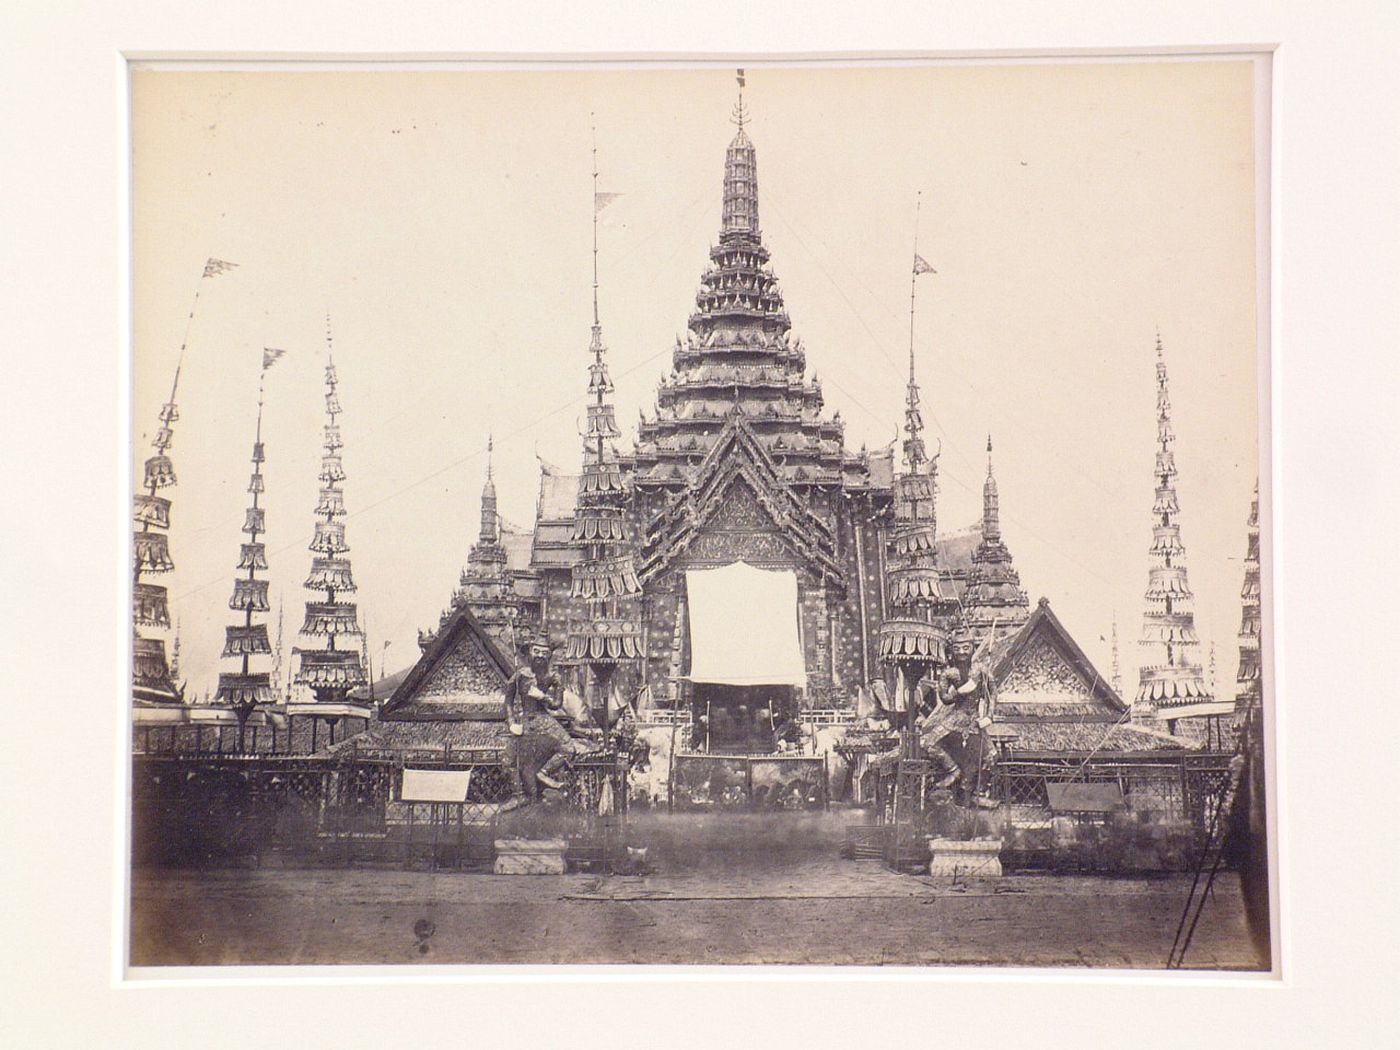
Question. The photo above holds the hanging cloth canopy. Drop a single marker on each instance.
(743, 626)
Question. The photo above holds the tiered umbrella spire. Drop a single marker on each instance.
(606, 579)
(152, 678)
(1249, 684)
(330, 672)
(911, 640)
(244, 689)
(1171, 687)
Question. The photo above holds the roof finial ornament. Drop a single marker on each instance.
(989, 454)
(490, 446)
(740, 115)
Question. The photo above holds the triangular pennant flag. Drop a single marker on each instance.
(602, 200)
(214, 267)
(270, 354)
(922, 266)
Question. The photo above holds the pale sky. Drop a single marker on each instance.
(442, 219)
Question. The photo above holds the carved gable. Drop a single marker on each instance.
(463, 673)
(739, 529)
(739, 510)
(1041, 674)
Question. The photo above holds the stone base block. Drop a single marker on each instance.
(530, 856)
(978, 858)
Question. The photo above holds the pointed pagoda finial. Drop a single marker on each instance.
(915, 455)
(740, 115)
(490, 447)
(593, 131)
(991, 504)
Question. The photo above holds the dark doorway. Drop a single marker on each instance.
(741, 719)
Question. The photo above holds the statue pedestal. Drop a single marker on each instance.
(965, 858)
(530, 856)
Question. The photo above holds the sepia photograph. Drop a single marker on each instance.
(701, 514)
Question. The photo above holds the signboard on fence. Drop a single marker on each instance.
(435, 785)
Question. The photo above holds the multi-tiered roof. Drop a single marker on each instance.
(993, 595)
(331, 672)
(1173, 687)
(739, 356)
(606, 577)
(152, 678)
(485, 584)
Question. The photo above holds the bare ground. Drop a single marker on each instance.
(785, 907)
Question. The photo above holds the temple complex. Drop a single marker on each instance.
(737, 511)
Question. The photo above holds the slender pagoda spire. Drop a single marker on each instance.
(1117, 670)
(915, 581)
(994, 595)
(244, 689)
(331, 672)
(1249, 693)
(1173, 688)
(153, 680)
(485, 585)
(913, 640)
(606, 579)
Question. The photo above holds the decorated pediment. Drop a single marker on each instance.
(1041, 672)
(739, 508)
(461, 676)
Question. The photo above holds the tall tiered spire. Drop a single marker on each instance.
(738, 358)
(1249, 685)
(152, 679)
(331, 672)
(1175, 687)
(245, 688)
(915, 579)
(994, 595)
(914, 640)
(486, 586)
(1117, 670)
(606, 579)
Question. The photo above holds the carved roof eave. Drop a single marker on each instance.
(1043, 621)
(671, 531)
(462, 621)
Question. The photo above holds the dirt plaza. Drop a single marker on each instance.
(808, 910)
